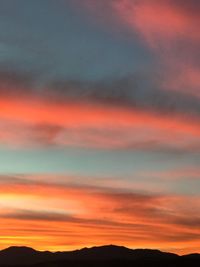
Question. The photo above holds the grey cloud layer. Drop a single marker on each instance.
(137, 91)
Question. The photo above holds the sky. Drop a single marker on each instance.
(100, 124)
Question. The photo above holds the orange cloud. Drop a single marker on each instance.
(74, 216)
(32, 120)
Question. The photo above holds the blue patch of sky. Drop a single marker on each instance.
(90, 162)
(54, 40)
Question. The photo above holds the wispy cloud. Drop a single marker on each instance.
(130, 217)
(114, 119)
(169, 29)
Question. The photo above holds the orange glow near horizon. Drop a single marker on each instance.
(51, 217)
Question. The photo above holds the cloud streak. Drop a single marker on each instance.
(114, 119)
(125, 217)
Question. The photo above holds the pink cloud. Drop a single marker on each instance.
(36, 121)
(170, 29)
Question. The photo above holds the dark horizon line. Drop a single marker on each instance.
(100, 246)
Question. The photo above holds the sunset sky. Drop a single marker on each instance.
(100, 124)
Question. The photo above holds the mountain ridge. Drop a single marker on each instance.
(24, 256)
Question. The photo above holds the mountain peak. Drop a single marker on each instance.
(18, 249)
(106, 247)
(23, 255)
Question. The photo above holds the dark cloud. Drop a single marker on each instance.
(193, 222)
(12, 82)
(191, 7)
(137, 91)
(37, 216)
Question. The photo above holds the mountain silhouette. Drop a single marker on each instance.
(22, 256)
(109, 255)
(111, 252)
